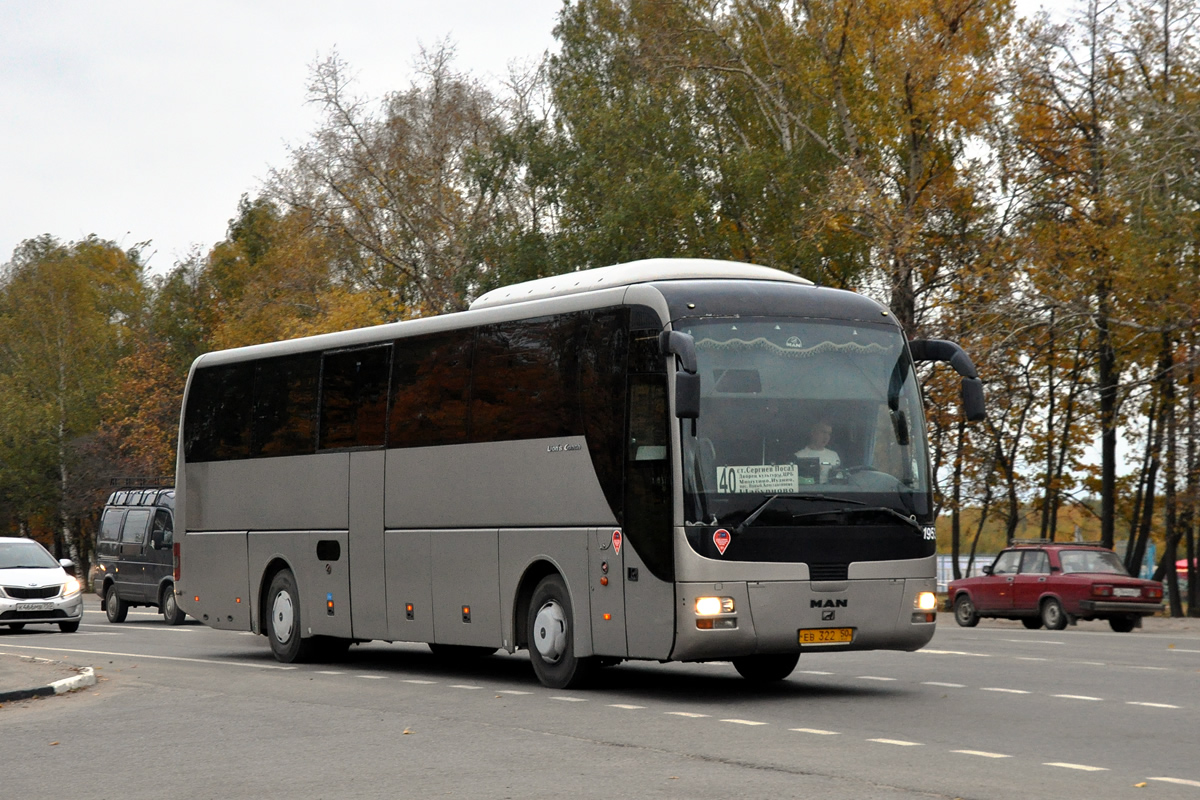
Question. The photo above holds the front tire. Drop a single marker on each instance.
(766, 668)
(114, 607)
(1032, 623)
(69, 627)
(16, 626)
(550, 629)
(964, 612)
(1122, 624)
(284, 621)
(1053, 615)
(172, 613)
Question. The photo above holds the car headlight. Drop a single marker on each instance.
(72, 586)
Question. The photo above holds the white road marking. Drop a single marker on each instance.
(874, 678)
(1030, 641)
(686, 714)
(157, 658)
(743, 722)
(897, 742)
(947, 685)
(1083, 767)
(464, 686)
(570, 699)
(814, 672)
(955, 653)
(1009, 691)
(1077, 697)
(1091, 663)
(1149, 705)
(1177, 650)
(1180, 781)
(1159, 669)
(510, 691)
(624, 706)
(981, 753)
(816, 731)
(329, 672)
(370, 677)
(413, 680)
(1030, 658)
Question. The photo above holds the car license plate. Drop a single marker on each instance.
(1127, 591)
(826, 635)
(35, 606)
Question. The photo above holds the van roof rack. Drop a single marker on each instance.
(1053, 541)
(143, 481)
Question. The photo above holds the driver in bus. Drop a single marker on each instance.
(817, 451)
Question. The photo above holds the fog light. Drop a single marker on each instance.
(709, 606)
(926, 601)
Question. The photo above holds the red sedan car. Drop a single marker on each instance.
(1054, 584)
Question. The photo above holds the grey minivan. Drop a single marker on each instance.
(134, 554)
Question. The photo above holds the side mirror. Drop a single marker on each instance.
(687, 395)
(156, 538)
(987, 570)
(972, 400)
(974, 407)
(67, 564)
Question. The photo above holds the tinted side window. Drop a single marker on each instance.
(285, 406)
(602, 398)
(1007, 562)
(110, 524)
(431, 383)
(354, 390)
(1035, 562)
(216, 424)
(526, 380)
(134, 530)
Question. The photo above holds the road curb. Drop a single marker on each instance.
(85, 678)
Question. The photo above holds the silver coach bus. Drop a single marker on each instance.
(670, 459)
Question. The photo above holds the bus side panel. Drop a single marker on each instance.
(291, 493)
(650, 623)
(608, 598)
(409, 582)
(317, 580)
(466, 587)
(220, 557)
(368, 599)
(567, 550)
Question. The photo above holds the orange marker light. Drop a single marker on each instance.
(196, 598)
(604, 580)
(607, 617)
(238, 600)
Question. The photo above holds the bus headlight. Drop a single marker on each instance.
(926, 601)
(710, 606)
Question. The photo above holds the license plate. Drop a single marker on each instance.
(826, 635)
(35, 606)
(1123, 591)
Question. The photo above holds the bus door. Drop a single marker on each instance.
(368, 589)
(648, 555)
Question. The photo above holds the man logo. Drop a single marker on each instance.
(827, 616)
(843, 603)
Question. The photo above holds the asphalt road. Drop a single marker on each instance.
(990, 712)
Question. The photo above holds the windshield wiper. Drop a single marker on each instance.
(761, 507)
(865, 509)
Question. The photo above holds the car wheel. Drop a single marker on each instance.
(767, 668)
(1033, 623)
(964, 612)
(551, 632)
(284, 621)
(16, 626)
(114, 606)
(1122, 624)
(1053, 616)
(169, 606)
(69, 627)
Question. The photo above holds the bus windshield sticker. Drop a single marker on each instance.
(758, 479)
(617, 542)
(721, 540)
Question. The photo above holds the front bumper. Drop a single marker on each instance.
(1118, 607)
(51, 610)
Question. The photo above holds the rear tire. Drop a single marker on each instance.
(550, 630)
(69, 627)
(1053, 616)
(172, 613)
(1033, 623)
(114, 607)
(16, 626)
(964, 612)
(766, 668)
(1122, 624)
(284, 621)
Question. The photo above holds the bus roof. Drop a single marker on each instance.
(650, 269)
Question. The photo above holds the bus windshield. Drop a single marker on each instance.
(802, 410)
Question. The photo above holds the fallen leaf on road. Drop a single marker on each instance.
(53, 743)
(407, 731)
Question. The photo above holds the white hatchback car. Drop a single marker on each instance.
(35, 588)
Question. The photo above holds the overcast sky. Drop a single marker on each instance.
(147, 120)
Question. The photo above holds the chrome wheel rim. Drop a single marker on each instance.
(283, 617)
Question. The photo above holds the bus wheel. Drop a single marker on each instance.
(766, 669)
(283, 626)
(171, 611)
(114, 606)
(551, 632)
